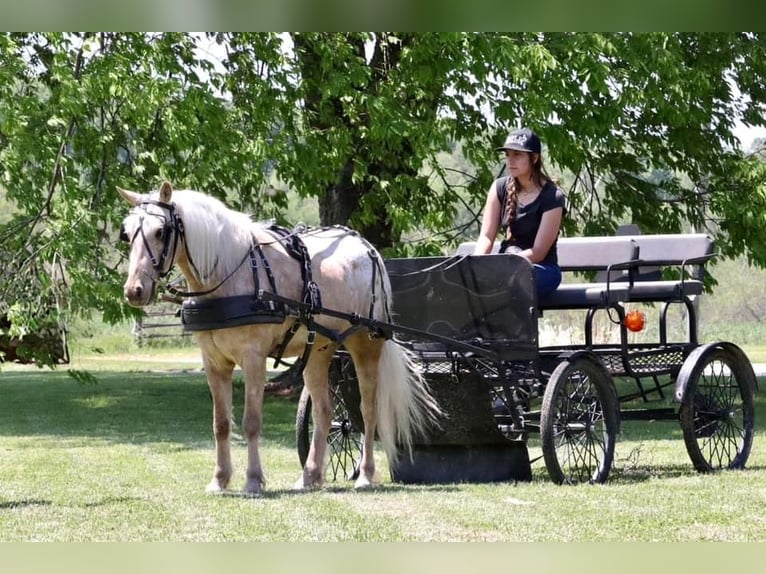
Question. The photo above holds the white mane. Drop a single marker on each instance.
(216, 237)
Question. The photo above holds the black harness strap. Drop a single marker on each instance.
(311, 303)
(311, 297)
(296, 248)
(171, 226)
(178, 293)
(255, 247)
(386, 330)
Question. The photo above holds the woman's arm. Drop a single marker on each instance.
(550, 223)
(490, 222)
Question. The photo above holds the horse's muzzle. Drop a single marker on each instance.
(137, 294)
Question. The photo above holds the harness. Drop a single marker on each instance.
(311, 303)
(262, 306)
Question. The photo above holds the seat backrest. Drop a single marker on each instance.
(467, 247)
(595, 253)
(580, 253)
(674, 250)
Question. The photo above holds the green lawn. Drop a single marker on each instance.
(756, 353)
(128, 458)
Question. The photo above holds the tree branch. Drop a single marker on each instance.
(57, 169)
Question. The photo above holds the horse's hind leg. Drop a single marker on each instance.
(219, 381)
(366, 355)
(315, 377)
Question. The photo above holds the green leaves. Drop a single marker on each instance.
(392, 133)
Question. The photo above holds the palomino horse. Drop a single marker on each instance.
(227, 259)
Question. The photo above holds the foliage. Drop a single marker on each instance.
(638, 125)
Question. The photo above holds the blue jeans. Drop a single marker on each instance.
(547, 278)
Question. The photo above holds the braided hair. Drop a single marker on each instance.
(539, 176)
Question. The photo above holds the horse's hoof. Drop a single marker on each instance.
(301, 484)
(215, 487)
(364, 483)
(253, 489)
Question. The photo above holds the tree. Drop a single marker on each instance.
(639, 125)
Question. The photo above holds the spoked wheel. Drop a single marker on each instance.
(717, 407)
(344, 441)
(579, 422)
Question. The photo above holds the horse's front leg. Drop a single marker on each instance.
(254, 371)
(219, 382)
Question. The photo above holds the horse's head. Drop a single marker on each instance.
(153, 230)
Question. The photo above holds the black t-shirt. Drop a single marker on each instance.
(527, 222)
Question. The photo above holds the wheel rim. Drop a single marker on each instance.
(579, 429)
(344, 442)
(719, 420)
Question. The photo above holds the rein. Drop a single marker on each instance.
(178, 293)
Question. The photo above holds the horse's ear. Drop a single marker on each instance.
(166, 191)
(131, 197)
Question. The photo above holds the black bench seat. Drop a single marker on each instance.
(585, 295)
(658, 291)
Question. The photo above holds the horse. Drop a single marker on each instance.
(336, 294)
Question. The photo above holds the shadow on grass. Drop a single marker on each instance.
(174, 409)
(27, 502)
(644, 473)
(110, 500)
(279, 493)
(135, 407)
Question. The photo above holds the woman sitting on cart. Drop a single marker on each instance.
(528, 207)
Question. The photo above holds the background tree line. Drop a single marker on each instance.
(637, 127)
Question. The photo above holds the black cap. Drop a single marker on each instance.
(522, 140)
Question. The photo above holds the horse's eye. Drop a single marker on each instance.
(160, 233)
(123, 234)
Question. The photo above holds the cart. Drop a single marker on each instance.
(473, 324)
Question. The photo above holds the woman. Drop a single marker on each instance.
(528, 207)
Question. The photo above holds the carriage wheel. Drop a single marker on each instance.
(344, 440)
(717, 407)
(579, 422)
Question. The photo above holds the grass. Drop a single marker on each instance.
(756, 353)
(128, 458)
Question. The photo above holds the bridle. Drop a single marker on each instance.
(171, 233)
(172, 230)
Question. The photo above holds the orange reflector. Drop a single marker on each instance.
(635, 320)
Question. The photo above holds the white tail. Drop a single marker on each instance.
(405, 406)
